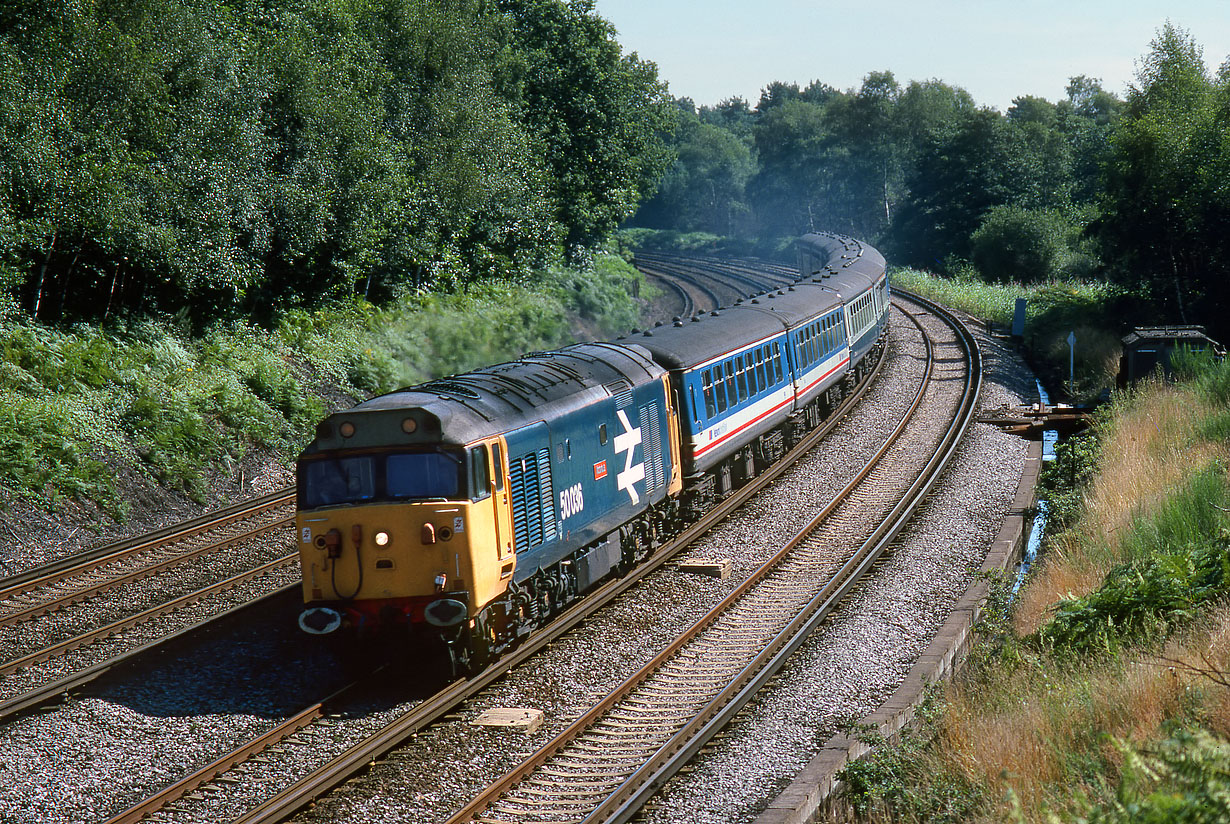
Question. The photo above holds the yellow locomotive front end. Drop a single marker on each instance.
(400, 534)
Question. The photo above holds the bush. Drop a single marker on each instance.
(1027, 245)
(1178, 563)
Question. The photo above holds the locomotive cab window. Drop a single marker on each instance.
(480, 476)
(347, 481)
(602, 434)
(497, 458)
(335, 481)
(425, 475)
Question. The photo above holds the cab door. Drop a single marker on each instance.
(503, 510)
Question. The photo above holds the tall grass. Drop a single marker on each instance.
(1092, 311)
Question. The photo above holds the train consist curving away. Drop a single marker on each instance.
(469, 509)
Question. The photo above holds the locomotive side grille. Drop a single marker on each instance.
(533, 507)
(516, 483)
(546, 496)
(621, 391)
(652, 446)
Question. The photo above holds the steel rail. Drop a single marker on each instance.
(115, 627)
(284, 730)
(97, 588)
(679, 272)
(44, 694)
(45, 574)
(649, 779)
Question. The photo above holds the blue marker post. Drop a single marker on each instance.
(1072, 363)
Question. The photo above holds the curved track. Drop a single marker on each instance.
(359, 757)
(706, 678)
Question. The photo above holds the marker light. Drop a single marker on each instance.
(382, 538)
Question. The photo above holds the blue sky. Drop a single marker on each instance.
(994, 49)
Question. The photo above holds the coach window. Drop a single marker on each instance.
(732, 394)
(479, 473)
(741, 377)
(707, 391)
(777, 361)
(719, 389)
(760, 382)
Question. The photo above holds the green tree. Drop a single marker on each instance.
(704, 189)
(958, 178)
(793, 189)
(1014, 243)
(1166, 204)
(599, 115)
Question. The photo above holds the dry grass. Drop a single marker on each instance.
(1037, 732)
(1149, 452)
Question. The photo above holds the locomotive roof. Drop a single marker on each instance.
(462, 408)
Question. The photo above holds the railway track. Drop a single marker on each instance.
(611, 760)
(58, 588)
(359, 757)
(300, 734)
(693, 294)
(720, 282)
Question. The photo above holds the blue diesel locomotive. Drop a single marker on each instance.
(469, 509)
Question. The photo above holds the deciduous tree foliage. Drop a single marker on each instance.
(1167, 203)
(232, 158)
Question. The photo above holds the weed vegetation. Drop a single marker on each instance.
(78, 404)
(1095, 312)
(1103, 692)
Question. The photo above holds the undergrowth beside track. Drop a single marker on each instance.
(1103, 693)
(77, 404)
(1095, 312)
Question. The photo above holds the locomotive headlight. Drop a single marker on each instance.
(383, 538)
(409, 426)
(346, 430)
